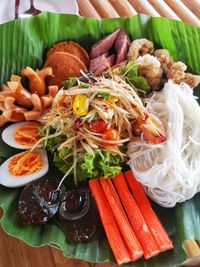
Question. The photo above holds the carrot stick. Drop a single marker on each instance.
(157, 230)
(110, 226)
(128, 235)
(136, 219)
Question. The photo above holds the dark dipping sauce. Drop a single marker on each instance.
(39, 201)
(78, 215)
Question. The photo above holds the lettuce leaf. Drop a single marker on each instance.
(130, 71)
(93, 165)
(101, 163)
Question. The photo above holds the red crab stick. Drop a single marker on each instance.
(136, 219)
(110, 226)
(134, 248)
(160, 235)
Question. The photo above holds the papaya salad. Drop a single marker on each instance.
(123, 122)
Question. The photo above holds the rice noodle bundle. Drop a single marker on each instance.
(170, 171)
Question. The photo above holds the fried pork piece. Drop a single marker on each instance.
(165, 59)
(178, 75)
(140, 47)
(72, 48)
(150, 68)
(64, 65)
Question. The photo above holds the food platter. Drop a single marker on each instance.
(180, 222)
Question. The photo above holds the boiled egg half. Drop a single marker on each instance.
(24, 168)
(22, 135)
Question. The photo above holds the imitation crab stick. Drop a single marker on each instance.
(136, 219)
(160, 236)
(110, 226)
(125, 228)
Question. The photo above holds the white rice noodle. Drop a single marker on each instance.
(170, 171)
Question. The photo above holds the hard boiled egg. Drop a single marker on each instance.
(14, 135)
(6, 169)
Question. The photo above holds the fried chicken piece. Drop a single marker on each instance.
(165, 59)
(150, 68)
(140, 47)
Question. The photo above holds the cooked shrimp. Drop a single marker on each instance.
(37, 79)
(150, 68)
(140, 47)
(152, 128)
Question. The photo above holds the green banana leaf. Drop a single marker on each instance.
(24, 42)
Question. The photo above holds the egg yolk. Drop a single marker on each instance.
(27, 135)
(25, 163)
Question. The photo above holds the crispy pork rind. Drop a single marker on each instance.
(150, 68)
(71, 48)
(176, 70)
(64, 66)
(165, 59)
(177, 74)
(140, 47)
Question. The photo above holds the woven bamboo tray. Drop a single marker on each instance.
(185, 10)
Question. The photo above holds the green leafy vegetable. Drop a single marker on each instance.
(101, 163)
(104, 95)
(84, 85)
(130, 71)
(141, 84)
(93, 165)
(51, 144)
(70, 82)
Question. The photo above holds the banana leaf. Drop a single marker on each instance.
(23, 43)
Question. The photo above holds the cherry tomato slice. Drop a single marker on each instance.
(98, 126)
(111, 135)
